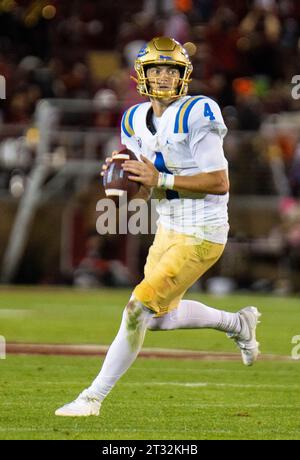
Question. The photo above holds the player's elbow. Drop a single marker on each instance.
(223, 186)
(221, 183)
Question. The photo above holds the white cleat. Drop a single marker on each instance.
(86, 404)
(246, 339)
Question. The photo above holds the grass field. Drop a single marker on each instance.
(157, 398)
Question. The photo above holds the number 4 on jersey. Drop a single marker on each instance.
(208, 112)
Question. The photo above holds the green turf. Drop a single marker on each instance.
(152, 401)
(229, 400)
(75, 316)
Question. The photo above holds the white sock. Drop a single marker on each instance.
(193, 315)
(124, 348)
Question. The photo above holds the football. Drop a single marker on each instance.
(115, 179)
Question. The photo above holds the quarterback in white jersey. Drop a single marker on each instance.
(178, 142)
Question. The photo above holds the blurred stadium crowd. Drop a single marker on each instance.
(247, 53)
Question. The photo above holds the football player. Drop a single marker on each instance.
(178, 140)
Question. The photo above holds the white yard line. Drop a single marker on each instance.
(213, 384)
(200, 431)
(179, 384)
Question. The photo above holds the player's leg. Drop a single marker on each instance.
(124, 348)
(119, 358)
(179, 267)
(240, 326)
(192, 259)
(195, 315)
(184, 262)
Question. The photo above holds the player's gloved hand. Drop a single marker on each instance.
(145, 172)
(108, 160)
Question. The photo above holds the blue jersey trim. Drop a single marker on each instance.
(182, 116)
(187, 113)
(127, 121)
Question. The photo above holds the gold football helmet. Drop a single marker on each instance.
(163, 51)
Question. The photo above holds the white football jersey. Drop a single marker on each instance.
(188, 141)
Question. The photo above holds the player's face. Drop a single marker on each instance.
(163, 78)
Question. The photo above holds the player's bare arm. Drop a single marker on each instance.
(215, 183)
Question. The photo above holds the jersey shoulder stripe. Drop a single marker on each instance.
(127, 121)
(181, 120)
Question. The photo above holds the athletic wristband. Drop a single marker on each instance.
(165, 181)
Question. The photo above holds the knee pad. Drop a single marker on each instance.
(134, 305)
(136, 317)
(135, 312)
